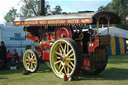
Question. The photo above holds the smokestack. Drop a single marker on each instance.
(42, 7)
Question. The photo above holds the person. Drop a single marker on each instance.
(1, 61)
(3, 55)
(9, 55)
(16, 57)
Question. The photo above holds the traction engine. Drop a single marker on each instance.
(67, 42)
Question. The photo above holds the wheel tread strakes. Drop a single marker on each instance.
(65, 58)
(30, 61)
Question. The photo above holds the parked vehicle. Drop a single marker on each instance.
(60, 39)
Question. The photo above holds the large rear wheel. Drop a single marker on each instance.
(65, 58)
(30, 61)
(100, 59)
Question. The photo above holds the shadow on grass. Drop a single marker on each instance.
(3, 78)
(108, 74)
(42, 69)
(8, 71)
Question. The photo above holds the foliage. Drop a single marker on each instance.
(57, 10)
(10, 16)
(30, 8)
(118, 6)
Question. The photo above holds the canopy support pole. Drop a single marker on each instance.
(97, 26)
(108, 19)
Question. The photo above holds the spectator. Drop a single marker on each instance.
(1, 64)
(3, 54)
(0, 53)
(9, 55)
(1, 61)
(16, 57)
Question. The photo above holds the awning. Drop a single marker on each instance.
(69, 19)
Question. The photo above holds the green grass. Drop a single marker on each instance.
(116, 73)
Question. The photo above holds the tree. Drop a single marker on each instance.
(118, 6)
(10, 16)
(101, 8)
(57, 10)
(30, 8)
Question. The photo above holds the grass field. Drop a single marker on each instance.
(116, 73)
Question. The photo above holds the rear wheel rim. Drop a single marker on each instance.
(63, 58)
(30, 61)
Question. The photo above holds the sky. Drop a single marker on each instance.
(66, 5)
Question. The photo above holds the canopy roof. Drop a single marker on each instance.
(65, 19)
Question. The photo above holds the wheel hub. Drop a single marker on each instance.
(64, 60)
(30, 61)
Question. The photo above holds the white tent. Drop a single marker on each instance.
(114, 31)
(14, 38)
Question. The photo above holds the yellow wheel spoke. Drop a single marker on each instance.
(57, 62)
(32, 66)
(70, 59)
(58, 57)
(31, 56)
(65, 70)
(34, 62)
(65, 49)
(58, 53)
(69, 52)
(71, 55)
(59, 66)
(62, 47)
(71, 63)
(70, 66)
(29, 66)
(28, 63)
(62, 68)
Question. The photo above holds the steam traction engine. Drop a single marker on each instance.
(61, 40)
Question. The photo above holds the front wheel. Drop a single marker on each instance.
(30, 61)
(65, 58)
